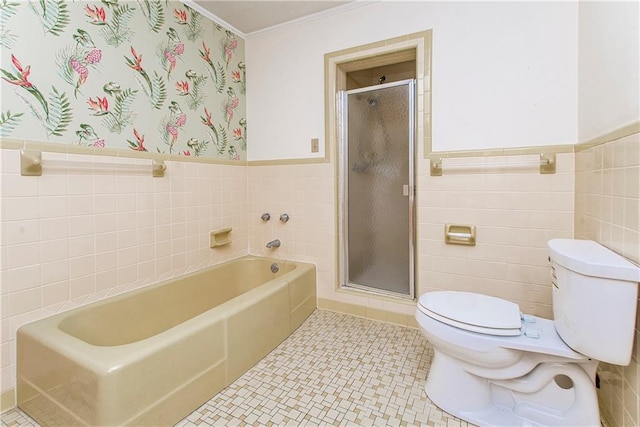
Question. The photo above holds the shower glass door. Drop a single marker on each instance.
(377, 129)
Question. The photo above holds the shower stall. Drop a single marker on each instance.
(376, 188)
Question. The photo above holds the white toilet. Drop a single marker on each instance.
(494, 366)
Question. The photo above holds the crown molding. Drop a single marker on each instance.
(195, 6)
(313, 17)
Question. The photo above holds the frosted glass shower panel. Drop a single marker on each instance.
(378, 177)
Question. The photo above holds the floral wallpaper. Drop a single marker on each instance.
(144, 75)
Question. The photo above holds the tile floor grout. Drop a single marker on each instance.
(335, 369)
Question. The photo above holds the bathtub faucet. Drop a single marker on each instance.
(273, 244)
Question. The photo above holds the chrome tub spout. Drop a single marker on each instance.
(273, 244)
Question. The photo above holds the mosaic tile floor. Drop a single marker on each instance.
(334, 370)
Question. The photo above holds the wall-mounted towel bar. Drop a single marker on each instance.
(546, 161)
(32, 163)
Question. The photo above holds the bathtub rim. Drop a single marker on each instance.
(108, 359)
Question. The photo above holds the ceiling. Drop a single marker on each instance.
(250, 16)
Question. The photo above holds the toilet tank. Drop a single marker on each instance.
(595, 296)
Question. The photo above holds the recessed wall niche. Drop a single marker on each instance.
(382, 74)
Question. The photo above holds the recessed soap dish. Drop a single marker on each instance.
(220, 237)
(460, 234)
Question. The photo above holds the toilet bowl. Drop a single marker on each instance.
(490, 379)
(494, 366)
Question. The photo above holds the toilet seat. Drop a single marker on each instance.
(473, 312)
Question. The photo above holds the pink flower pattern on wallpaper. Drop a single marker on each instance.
(117, 115)
(93, 57)
(75, 60)
(158, 63)
(182, 87)
(138, 144)
(217, 72)
(136, 63)
(79, 68)
(20, 78)
(115, 30)
(190, 21)
(230, 106)
(100, 106)
(180, 16)
(171, 50)
(87, 136)
(230, 44)
(53, 112)
(172, 125)
(153, 86)
(97, 14)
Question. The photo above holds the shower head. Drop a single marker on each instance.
(372, 102)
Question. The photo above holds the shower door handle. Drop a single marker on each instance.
(405, 190)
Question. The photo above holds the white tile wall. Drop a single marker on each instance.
(306, 193)
(76, 235)
(69, 237)
(515, 209)
(608, 211)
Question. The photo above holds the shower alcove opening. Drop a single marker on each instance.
(378, 93)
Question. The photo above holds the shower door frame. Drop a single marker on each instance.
(343, 185)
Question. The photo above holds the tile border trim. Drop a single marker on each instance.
(50, 147)
(299, 161)
(621, 132)
(407, 320)
(495, 152)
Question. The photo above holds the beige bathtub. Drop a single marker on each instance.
(152, 356)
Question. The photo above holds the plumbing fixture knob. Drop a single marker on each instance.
(284, 217)
(265, 217)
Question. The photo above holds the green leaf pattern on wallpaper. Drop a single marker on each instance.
(114, 31)
(191, 22)
(143, 75)
(154, 14)
(7, 9)
(8, 122)
(52, 13)
(75, 60)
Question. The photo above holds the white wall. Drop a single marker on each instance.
(609, 77)
(504, 74)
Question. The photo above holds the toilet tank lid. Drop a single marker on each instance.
(592, 259)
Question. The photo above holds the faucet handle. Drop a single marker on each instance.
(265, 217)
(284, 217)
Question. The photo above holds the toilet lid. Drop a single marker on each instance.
(473, 312)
